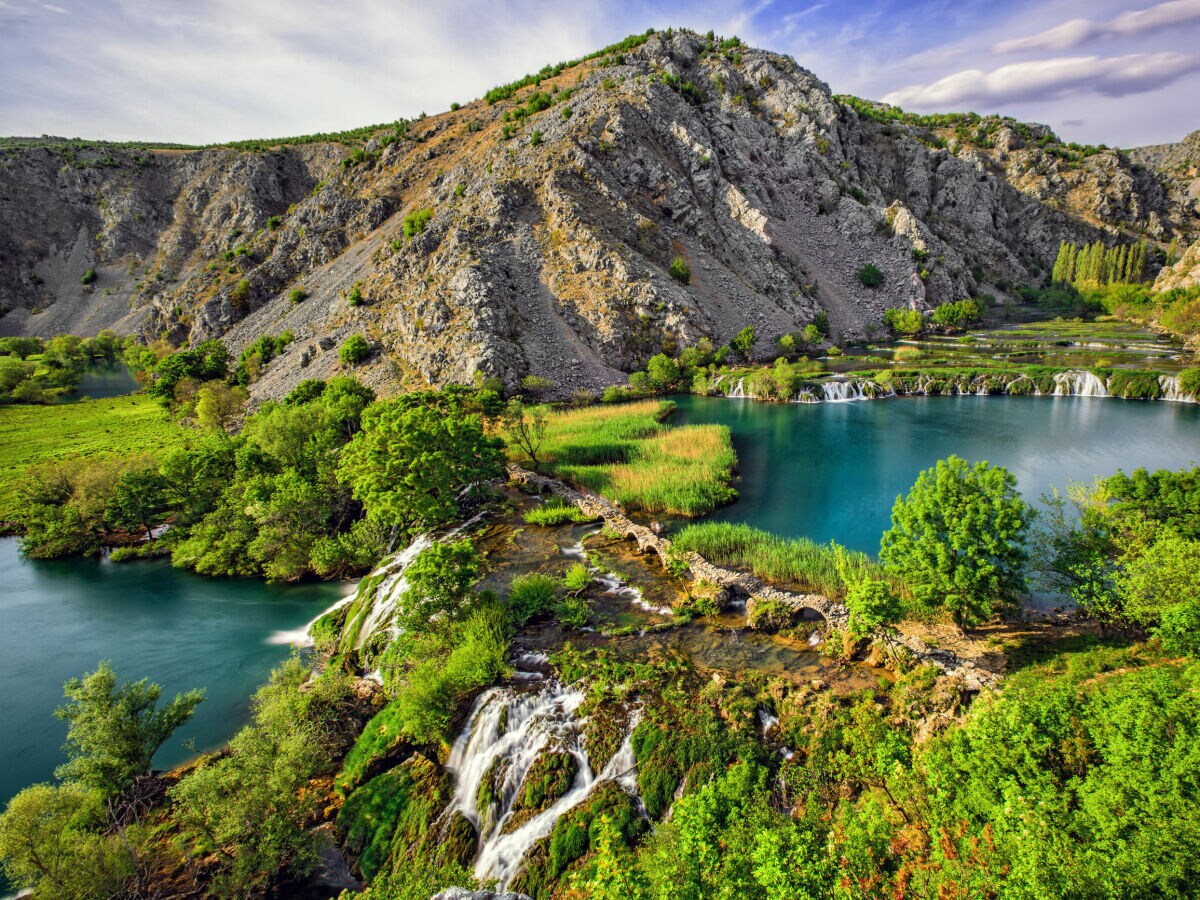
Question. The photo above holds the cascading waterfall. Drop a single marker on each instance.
(388, 592)
(1079, 384)
(617, 587)
(843, 391)
(302, 637)
(1172, 390)
(739, 391)
(507, 730)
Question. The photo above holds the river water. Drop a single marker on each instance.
(58, 619)
(831, 471)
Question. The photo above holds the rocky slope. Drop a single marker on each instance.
(555, 214)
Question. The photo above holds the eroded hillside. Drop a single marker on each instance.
(553, 217)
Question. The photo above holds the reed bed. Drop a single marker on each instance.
(821, 568)
(627, 453)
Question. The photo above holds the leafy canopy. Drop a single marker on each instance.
(114, 730)
(958, 538)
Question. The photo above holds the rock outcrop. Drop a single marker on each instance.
(553, 219)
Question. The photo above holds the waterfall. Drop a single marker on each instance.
(1171, 389)
(388, 592)
(614, 585)
(1079, 384)
(739, 391)
(843, 391)
(507, 730)
(302, 637)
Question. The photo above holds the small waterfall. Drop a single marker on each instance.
(1079, 384)
(388, 592)
(614, 585)
(505, 734)
(767, 722)
(842, 391)
(302, 637)
(1171, 389)
(739, 391)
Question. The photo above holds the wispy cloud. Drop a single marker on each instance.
(1049, 79)
(1133, 23)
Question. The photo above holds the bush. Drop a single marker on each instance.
(907, 322)
(415, 222)
(535, 138)
(354, 350)
(355, 297)
(870, 276)
(532, 595)
(959, 314)
(679, 270)
(88, 277)
(295, 295)
(1189, 382)
(274, 222)
(556, 512)
(872, 605)
(241, 291)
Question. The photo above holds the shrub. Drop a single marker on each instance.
(415, 222)
(88, 277)
(908, 322)
(241, 291)
(958, 314)
(556, 512)
(274, 222)
(532, 595)
(870, 276)
(535, 138)
(295, 295)
(872, 605)
(679, 270)
(1189, 382)
(354, 350)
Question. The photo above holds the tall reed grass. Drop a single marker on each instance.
(822, 568)
(625, 452)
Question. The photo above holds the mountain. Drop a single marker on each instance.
(543, 220)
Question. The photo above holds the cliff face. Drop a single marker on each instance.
(554, 218)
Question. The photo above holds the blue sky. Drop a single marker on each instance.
(1122, 73)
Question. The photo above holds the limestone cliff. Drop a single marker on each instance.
(554, 216)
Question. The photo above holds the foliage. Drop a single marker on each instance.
(556, 512)
(957, 540)
(354, 350)
(207, 361)
(872, 606)
(249, 806)
(824, 568)
(627, 454)
(525, 429)
(743, 342)
(113, 731)
(506, 91)
(531, 595)
(870, 275)
(439, 585)
(410, 462)
(415, 222)
(958, 314)
(907, 322)
(51, 843)
(679, 270)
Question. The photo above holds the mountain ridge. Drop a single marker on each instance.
(556, 213)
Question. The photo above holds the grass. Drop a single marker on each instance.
(822, 568)
(116, 426)
(626, 453)
(556, 512)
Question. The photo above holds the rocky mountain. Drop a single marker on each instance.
(533, 232)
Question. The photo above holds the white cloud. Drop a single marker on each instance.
(1132, 23)
(1049, 79)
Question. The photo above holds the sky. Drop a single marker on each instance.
(201, 71)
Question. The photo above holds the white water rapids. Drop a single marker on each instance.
(511, 729)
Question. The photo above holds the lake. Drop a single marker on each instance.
(831, 471)
(58, 619)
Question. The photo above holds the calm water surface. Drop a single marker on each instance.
(831, 471)
(59, 618)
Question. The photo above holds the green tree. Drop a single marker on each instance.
(439, 585)
(958, 538)
(409, 464)
(1161, 590)
(870, 275)
(872, 606)
(52, 842)
(113, 731)
(218, 404)
(663, 372)
(525, 428)
(140, 499)
(679, 270)
(354, 350)
(743, 341)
